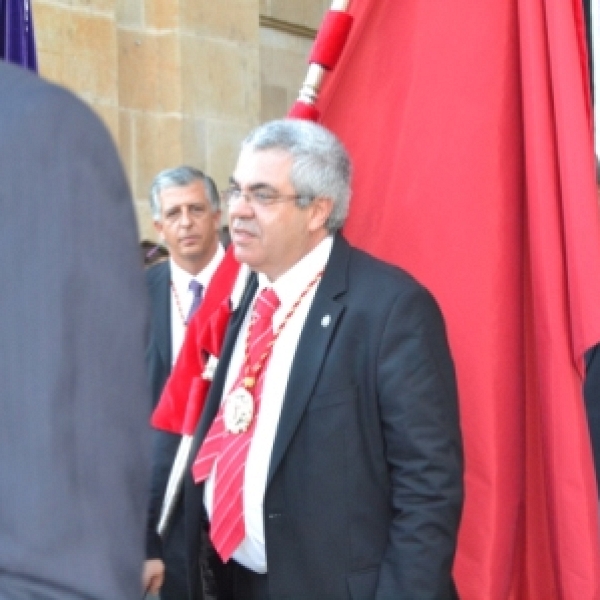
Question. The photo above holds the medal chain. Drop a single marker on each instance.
(252, 371)
(178, 304)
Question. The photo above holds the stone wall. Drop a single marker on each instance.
(178, 81)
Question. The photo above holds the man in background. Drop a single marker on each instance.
(74, 402)
(186, 211)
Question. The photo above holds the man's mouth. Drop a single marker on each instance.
(190, 239)
(243, 231)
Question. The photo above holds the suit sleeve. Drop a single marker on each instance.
(164, 449)
(420, 424)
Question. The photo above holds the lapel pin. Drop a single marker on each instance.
(325, 321)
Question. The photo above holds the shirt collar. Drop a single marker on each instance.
(181, 278)
(294, 281)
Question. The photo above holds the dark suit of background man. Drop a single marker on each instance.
(74, 400)
(186, 210)
(353, 481)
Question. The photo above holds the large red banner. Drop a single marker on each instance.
(469, 127)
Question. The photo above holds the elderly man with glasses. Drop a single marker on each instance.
(328, 460)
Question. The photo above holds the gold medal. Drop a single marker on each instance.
(239, 406)
(238, 411)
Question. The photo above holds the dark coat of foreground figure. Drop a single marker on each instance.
(74, 403)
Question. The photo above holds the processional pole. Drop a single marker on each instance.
(324, 56)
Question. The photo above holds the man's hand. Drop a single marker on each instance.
(153, 575)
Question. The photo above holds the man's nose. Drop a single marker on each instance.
(186, 218)
(242, 208)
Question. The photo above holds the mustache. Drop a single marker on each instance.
(244, 225)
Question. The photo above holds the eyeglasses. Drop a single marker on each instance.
(255, 197)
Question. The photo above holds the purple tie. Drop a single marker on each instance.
(197, 289)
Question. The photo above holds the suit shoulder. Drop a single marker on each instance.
(30, 98)
(380, 285)
(158, 273)
(381, 288)
(382, 273)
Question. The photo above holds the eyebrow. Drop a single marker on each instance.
(254, 186)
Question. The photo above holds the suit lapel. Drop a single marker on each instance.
(318, 331)
(161, 317)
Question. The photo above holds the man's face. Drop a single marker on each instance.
(188, 226)
(272, 238)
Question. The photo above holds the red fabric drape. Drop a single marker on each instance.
(469, 127)
(185, 392)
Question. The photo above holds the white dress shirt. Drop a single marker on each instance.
(182, 297)
(288, 287)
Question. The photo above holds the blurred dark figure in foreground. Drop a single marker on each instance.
(74, 453)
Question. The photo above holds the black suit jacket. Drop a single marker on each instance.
(74, 401)
(158, 354)
(158, 363)
(158, 360)
(364, 491)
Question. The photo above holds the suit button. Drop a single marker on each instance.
(274, 516)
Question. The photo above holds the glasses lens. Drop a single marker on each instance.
(229, 196)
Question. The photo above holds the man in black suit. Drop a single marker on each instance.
(327, 464)
(74, 401)
(186, 211)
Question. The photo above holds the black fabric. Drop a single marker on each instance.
(175, 584)
(591, 394)
(238, 583)
(164, 444)
(158, 353)
(588, 36)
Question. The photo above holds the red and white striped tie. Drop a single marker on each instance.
(230, 450)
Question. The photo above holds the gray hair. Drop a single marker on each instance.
(180, 177)
(320, 163)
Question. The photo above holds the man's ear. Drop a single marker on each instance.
(158, 227)
(217, 214)
(320, 208)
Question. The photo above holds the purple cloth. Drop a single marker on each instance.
(17, 40)
(197, 289)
